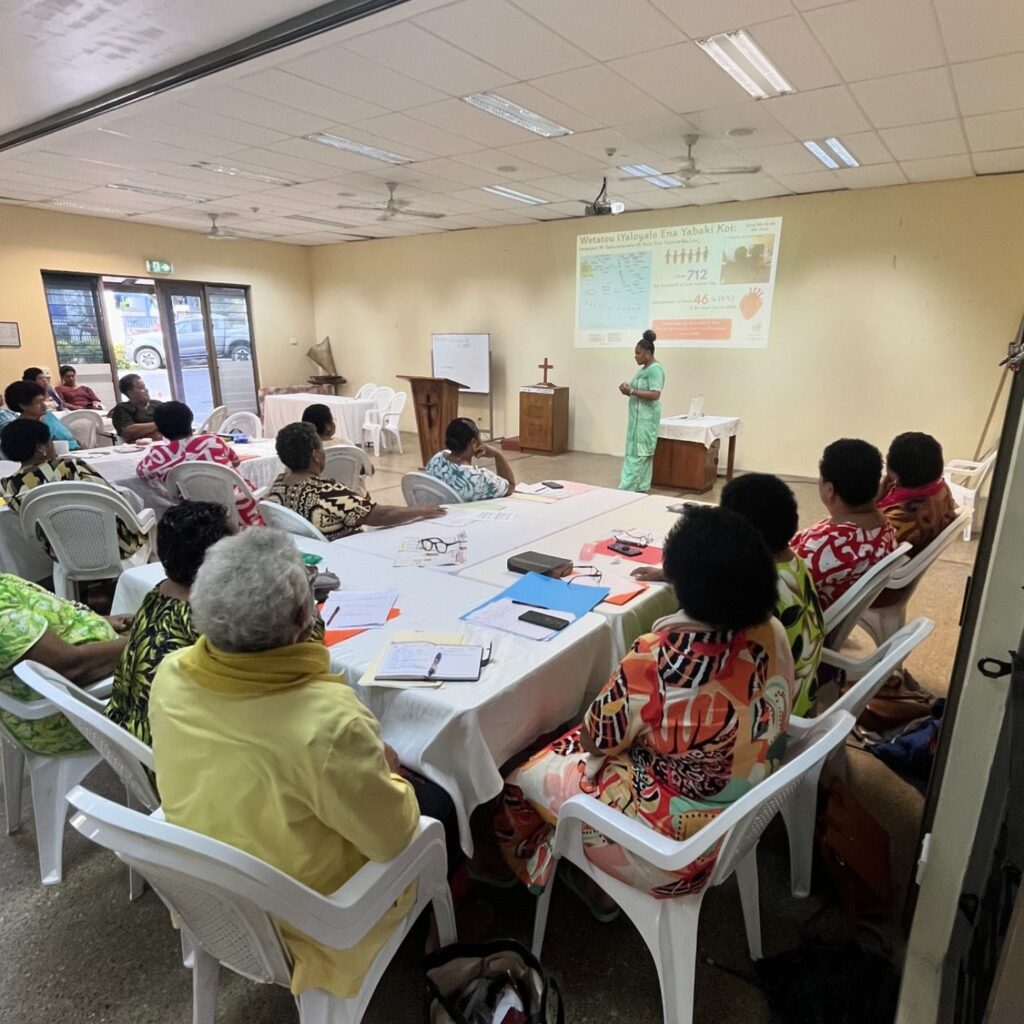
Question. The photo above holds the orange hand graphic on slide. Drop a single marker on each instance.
(751, 303)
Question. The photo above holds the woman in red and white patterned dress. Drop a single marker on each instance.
(174, 421)
(856, 535)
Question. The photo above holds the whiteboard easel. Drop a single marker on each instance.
(465, 358)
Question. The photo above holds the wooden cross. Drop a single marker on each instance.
(430, 404)
(545, 366)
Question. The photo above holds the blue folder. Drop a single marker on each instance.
(548, 594)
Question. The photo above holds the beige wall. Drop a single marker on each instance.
(34, 240)
(892, 308)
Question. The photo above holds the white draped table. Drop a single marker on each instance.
(349, 414)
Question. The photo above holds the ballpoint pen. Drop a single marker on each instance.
(434, 664)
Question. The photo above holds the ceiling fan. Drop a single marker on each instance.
(393, 207)
(689, 169)
(217, 233)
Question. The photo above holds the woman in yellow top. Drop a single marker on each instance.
(644, 394)
(257, 744)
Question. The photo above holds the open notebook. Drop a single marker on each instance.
(431, 662)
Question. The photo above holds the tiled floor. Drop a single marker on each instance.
(81, 952)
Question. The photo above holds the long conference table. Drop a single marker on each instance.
(459, 734)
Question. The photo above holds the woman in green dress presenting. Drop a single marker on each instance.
(644, 394)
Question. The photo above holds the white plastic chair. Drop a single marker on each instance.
(229, 902)
(868, 676)
(210, 481)
(373, 425)
(247, 423)
(50, 776)
(289, 520)
(8, 468)
(349, 465)
(669, 926)
(843, 614)
(80, 520)
(85, 424)
(420, 488)
(882, 622)
(382, 396)
(126, 754)
(965, 478)
(213, 423)
(365, 392)
(389, 420)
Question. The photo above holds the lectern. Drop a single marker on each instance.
(436, 401)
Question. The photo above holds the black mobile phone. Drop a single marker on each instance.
(553, 484)
(535, 618)
(625, 549)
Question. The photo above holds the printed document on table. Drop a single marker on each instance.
(504, 613)
(348, 609)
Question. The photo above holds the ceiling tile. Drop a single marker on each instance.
(331, 106)
(683, 77)
(211, 123)
(142, 127)
(938, 167)
(255, 109)
(698, 18)
(408, 48)
(471, 123)
(811, 5)
(663, 135)
(872, 38)
(602, 94)
(867, 147)
(418, 176)
(718, 123)
(793, 49)
(995, 131)
(504, 36)
(552, 155)
(452, 174)
(913, 98)
(568, 188)
(871, 177)
(756, 187)
(314, 152)
(998, 161)
(916, 142)
(627, 150)
(495, 202)
(981, 28)
(706, 196)
(401, 130)
(664, 198)
(492, 159)
(810, 115)
(349, 73)
(117, 149)
(789, 158)
(606, 28)
(987, 86)
(817, 181)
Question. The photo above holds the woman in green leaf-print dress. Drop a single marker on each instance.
(644, 416)
(63, 635)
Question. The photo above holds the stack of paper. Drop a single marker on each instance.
(350, 609)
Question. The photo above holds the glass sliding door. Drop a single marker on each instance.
(235, 354)
(188, 346)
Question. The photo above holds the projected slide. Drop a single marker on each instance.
(696, 285)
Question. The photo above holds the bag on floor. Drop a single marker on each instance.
(497, 982)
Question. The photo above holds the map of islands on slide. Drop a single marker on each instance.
(614, 290)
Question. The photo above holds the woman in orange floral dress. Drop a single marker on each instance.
(695, 715)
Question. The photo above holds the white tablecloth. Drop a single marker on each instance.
(459, 734)
(349, 413)
(487, 539)
(703, 429)
(17, 555)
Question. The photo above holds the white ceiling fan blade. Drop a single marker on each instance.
(352, 206)
(751, 169)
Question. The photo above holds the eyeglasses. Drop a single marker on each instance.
(437, 544)
(586, 574)
(639, 540)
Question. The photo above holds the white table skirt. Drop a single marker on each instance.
(459, 734)
(487, 539)
(18, 556)
(349, 414)
(704, 430)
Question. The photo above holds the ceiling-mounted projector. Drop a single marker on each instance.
(602, 206)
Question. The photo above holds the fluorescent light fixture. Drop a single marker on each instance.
(318, 220)
(491, 103)
(740, 57)
(68, 205)
(359, 148)
(511, 193)
(651, 175)
(831, 152)
(159, 193)
(241, 172)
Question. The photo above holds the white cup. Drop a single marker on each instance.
(61, 448)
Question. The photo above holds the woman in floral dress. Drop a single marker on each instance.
(695, 715)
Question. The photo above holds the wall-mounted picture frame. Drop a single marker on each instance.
(10, 336)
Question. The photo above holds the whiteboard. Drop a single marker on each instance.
(465, 358)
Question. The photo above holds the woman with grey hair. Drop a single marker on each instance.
(331, 507)
(256, 743)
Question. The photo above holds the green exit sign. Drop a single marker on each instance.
(159, 267)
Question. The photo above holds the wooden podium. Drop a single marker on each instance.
(544, 419)
(436, 401)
